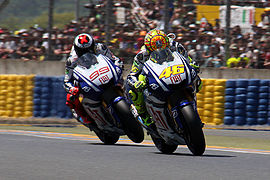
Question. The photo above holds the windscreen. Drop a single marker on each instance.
(161, 55)
(87, 60)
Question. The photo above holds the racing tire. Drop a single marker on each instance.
(193, 132)
(162, 146)
(108, 139)
(131, 126)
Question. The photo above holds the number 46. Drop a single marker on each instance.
(172, 70)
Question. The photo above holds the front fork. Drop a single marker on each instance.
(111, 110)
(175, 114)
(179, 100)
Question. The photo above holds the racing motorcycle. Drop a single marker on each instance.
(170, 98)
(97, 78)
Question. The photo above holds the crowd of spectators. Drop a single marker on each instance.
(204, 41)
(32, 43)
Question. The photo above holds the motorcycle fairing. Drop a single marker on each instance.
(162, 84)
(159, 85)
(96, 75)
(154, 72)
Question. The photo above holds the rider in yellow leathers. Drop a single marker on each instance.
(154, 39)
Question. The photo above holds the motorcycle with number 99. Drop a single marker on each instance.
(97, 78)
(170, 98)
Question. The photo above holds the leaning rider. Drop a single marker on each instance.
(154, 39)
(83, 43)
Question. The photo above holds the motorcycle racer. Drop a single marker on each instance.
(83, 43)
(154, 39)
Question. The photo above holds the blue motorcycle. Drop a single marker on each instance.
(98, 80)
(170, 99)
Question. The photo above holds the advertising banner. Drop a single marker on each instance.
(241, 16)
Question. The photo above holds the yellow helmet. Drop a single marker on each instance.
(156, 39)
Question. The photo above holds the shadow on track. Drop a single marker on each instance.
(187, 154)
(129, 145)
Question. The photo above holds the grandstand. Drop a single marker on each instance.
(197, 24)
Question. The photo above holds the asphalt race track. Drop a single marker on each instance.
(28, 155)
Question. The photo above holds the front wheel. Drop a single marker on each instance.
(193, 132)
(131, 126)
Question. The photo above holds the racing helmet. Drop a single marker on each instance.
(156, 39)
(84, 43)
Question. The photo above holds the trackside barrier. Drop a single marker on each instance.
(210, 101)
(16, 95)
(247, 102)
(50, 97)
(221, 101)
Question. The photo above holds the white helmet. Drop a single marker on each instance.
(84, 43)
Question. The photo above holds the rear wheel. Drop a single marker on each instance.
(162, 146)
(106, 138)
(131, 126)
(193, 132)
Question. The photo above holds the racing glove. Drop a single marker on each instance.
(74, 91)
(141, 83)
(72, 94)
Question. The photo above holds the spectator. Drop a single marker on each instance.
(205, 44)
(188, 19)
(215, 58)
(267, 61)
(254, 60)
(232, 62)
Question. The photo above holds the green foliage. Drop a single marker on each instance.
(11, 23)
(41, 20)
(60, 19)
(26, 13)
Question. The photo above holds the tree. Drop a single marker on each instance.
(4, 4)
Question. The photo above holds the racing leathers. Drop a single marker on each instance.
(136, 82)
(71, 85)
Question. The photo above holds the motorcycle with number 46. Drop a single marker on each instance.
(170, 98)
(97, 78)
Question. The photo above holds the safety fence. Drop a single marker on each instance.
(221, 101)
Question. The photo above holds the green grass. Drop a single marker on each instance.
(211, 140)
(238, 142)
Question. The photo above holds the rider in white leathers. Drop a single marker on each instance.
(83, 43)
